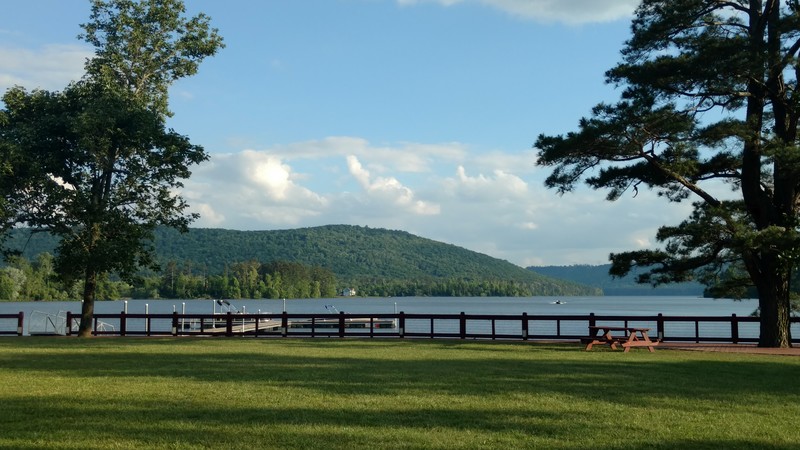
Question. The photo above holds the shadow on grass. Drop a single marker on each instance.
(367, 367)
(261, 426)
(378, 393)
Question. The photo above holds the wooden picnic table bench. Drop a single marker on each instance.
(631, 337)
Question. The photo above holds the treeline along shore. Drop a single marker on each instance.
(318, 262)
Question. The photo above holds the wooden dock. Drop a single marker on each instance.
(249, 326)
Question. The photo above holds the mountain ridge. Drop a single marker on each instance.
(357, 255)
(598, 276)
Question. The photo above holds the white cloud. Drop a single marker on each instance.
(566, 11)
(210, 217)
(389, 190)
(250, 190)
(267, 172)
(405, 157)
(500, 186)
(519, 162)
(496, 206)
(49, 67)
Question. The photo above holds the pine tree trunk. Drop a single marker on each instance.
(775, 307)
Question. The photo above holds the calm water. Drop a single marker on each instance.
(611, 305)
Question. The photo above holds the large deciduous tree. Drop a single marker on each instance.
(96, 164)
(144, 46)
(709, 111)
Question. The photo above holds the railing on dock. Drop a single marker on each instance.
(733, 328)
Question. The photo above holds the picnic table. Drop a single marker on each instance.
(630, 337)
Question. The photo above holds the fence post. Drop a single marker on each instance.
(284, 323)
(592, 321)
(341, 324)
(462, 326)
(402, 325)
(174, 323)
(20, 322)
(660, 327)
(68, 329)
(697, 331)
(524, 326)
(229, 324)
(123, 328)
(734, 329)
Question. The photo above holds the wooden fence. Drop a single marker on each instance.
(8, 321)
(732, 329)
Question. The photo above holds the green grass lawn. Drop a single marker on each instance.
(331, 393)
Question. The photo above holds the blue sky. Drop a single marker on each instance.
(414, 115)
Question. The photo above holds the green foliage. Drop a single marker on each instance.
(108, 170)
(341, 394)
(144, 46)
(11, 282)
(359, 256)
(249, 279)
(376, 262)
(709, 99)
(95, 164)
(23, 280)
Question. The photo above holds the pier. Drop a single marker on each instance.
(272, 325)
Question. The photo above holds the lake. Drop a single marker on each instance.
(609, 305)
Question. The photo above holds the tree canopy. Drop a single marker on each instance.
(708, 113)
(143, 46)
(95, 163)
(374, 261)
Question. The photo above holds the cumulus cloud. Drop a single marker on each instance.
(499, 186)
(389, 190)
(443, 192)
(264, 189)
(49, 67)
(210, 217)
(250, 190)
(405, 157)
(565, 11)
(268, 173)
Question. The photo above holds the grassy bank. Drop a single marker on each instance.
(330, 393)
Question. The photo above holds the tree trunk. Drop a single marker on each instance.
(775, 307)
(87, 309)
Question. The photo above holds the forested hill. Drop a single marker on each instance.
(598, 276)
(357, 255)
